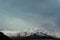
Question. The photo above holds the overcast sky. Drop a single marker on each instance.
(22, 14)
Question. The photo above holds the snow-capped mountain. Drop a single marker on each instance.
(35, 34)
(31, 32)
(27, 32)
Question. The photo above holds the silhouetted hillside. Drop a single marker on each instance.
(4, 37)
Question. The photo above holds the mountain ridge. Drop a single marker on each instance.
(32, 36)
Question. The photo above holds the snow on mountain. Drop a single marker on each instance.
(30, 30)
(27, 32)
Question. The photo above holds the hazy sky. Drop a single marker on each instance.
(22, 14)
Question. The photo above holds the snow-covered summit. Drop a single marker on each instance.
(26, 32)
